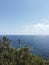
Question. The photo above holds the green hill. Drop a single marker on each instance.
(18, 56)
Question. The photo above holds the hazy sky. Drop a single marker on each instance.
(24, 17)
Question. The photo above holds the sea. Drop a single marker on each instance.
(38, 44)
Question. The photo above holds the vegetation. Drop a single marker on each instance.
(18, 56)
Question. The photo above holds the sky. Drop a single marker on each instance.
(24, 17)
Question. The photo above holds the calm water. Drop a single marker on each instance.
(39, 44)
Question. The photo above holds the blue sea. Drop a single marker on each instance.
(39, 45)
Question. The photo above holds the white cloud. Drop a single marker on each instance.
(35, 29)
(32, 29)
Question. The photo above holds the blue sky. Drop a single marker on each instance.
(24, 17)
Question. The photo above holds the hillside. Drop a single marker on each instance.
(19, 55)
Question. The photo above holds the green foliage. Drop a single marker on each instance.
(18, 56)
